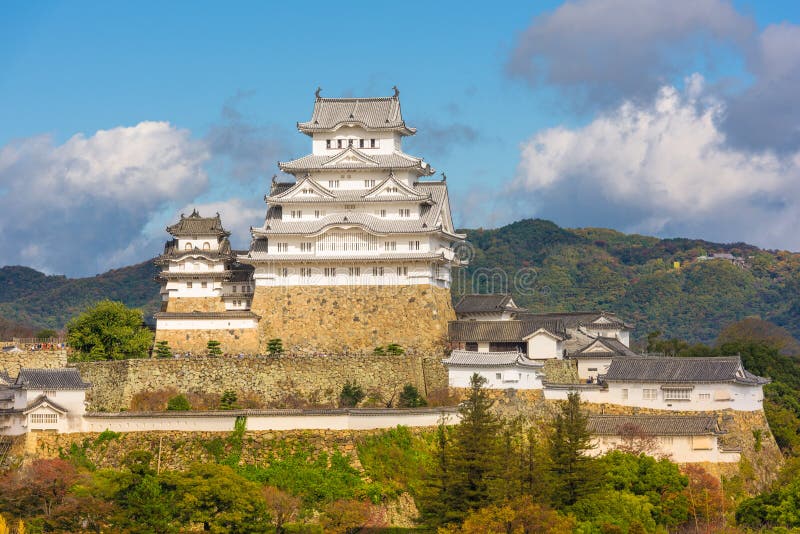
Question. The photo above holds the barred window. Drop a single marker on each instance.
(44, 418)
(649, 394)
(677, 393)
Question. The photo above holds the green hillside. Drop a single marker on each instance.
(546, 267)
(37, 300)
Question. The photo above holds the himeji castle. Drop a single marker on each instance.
(357, 252)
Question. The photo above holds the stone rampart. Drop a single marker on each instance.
(12, 361)
(318, 379)
(231, 340)
(353, 318)
(192, 304)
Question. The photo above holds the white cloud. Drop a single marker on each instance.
(606, 48)
(662, 167)
(75, 207)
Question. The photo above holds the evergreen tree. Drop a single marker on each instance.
(410, 398)
(228, 400)
(475, 450)
(163, 350)
(393, 349)
(275, 346)
(179, 403)
(213, 348)
(437, 493)
(574, 473)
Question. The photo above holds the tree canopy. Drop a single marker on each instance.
(109, 331)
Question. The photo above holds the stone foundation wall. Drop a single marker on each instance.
(191, 304)
(317, 379)
(353, 318)
(32, 359)
(232, 340)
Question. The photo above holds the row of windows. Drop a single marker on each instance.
(330, 272)
(189, 246)
(670, 394)
(298, 214)
(342, 243)
(44, 418)
(361, 143)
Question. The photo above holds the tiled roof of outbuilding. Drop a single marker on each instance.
(50, 379)
(681, 370)
(608, 347)
(467, 358)
(584, 319)
(501, 331)
(482, 303)
(653, 425)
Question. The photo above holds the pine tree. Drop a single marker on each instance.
(213, 348)
(436, 495)
(574, 473)
(275, 346)
(163, 350)
(475, 450)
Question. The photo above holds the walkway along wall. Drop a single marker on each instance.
(315, 378)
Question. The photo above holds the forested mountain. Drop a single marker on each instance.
(37, 300)
(546, 267)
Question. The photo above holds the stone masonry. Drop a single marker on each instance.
(353, 318)
(318, 378)
(199, 304)
(232, 341)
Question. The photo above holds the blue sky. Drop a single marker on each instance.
(523, 105)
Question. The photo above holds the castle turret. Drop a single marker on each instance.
(205, 292)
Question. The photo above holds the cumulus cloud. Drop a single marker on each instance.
(662, 167)
(243, 150)
(767, 113)
(80, 207)
(600, 49)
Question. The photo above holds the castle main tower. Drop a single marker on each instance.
(358, 251)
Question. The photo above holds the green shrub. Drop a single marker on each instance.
(410, 398)
(351, 395)
(275, 346)
(213, 348)
(163, 350)
(228, 401)
(179, 403)
(105, 436)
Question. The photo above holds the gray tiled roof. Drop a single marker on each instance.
(500, 331)
(47, 379)
(396, 160)
(382, 113)
(680, 370)
(41, 399)
(194, 224)
(425, 224)
(477, 303)
(612, 346)
(585, 319)
(653, 425)
(348, 195)
(467, 358)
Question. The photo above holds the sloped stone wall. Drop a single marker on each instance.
(192, 304)
(316, 378)
(354, 318)
(232, 340)
(11, 362)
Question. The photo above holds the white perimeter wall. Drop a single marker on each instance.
(189, 421)
(510, 377)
